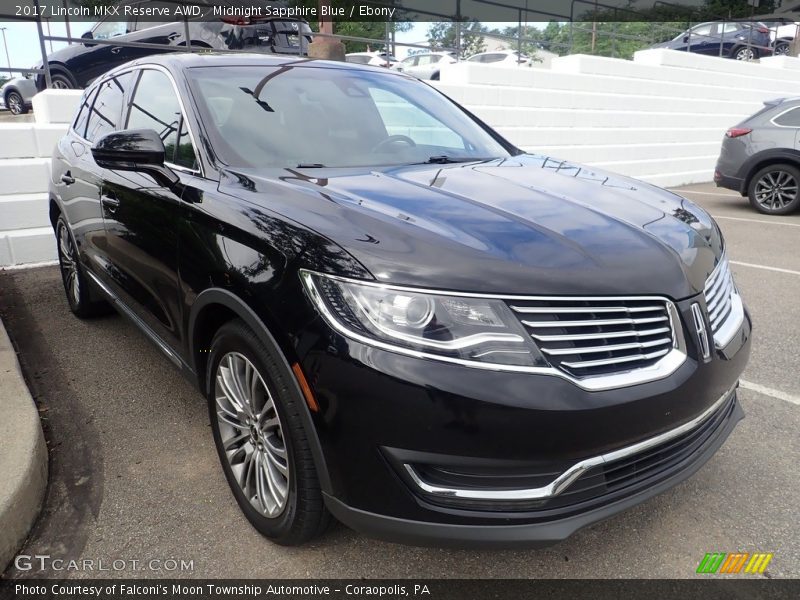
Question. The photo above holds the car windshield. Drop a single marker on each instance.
(290, 116)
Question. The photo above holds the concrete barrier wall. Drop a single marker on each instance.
(26, 236)
(660, 117)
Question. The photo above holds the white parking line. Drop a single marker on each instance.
(766, 268)
(707, 193)
(762, 221)
(762, 389)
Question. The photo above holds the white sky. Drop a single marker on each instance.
(23, 41)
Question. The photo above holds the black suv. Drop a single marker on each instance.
(78, 65)
(395, 315)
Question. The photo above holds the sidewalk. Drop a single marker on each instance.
(23, 455)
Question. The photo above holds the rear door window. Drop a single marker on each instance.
(790, 118)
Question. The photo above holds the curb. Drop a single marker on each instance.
(23, 455)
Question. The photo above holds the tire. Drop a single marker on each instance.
(62, 81)
(76, 286)
(435, 76)
(15, 104)
(782, 48)
(744, 53)
(268, 464)
(774, 189)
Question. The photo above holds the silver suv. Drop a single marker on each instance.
(17, 95)
(760, 158)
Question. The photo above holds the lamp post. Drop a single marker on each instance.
(8, 56)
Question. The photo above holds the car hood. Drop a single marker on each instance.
(526, 225)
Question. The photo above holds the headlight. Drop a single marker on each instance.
(481, 330)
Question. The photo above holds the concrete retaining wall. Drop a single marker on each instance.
(26, 236)
(660, 117)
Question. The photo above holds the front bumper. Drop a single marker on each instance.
(529, 535)
(380, 411)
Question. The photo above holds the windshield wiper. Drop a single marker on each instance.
(446, 160)
(310, 166)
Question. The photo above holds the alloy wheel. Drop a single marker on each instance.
(776, 190)
(251, 434)
(59, 83)
(69, 264)
(745, 54)
(782, 49)
(14, 103)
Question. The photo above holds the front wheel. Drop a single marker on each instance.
(61, 81)
(774, 190)
(260, 437)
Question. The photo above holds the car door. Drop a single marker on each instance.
(700, 39)
(424, 69)
(409, 65)
(77, 183)
(141, 215)
(435, 65)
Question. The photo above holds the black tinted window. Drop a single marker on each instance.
(83, 113)
(155, 106)
(789, 119)
(106, 112)
(184, 154)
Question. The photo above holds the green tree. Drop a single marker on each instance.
(366, 29)
(443, 35)
(618, 39)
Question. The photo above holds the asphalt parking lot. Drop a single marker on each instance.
(7, 117)
(134, 474)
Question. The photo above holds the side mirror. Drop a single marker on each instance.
(686, 39)
(88, 36)
(135, 150)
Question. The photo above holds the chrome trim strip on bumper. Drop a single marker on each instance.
(568, 477)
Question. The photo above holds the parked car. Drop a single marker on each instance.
(17, 94)
(782, 35)
(394, 314)
(426, 65)
(374, 59)
(742, 41)
(502, 58)
(78, 65)
(760, 158)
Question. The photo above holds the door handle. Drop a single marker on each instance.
(109, 202)
(67, 178)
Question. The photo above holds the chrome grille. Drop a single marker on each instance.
(589, 337)
(723, 303)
